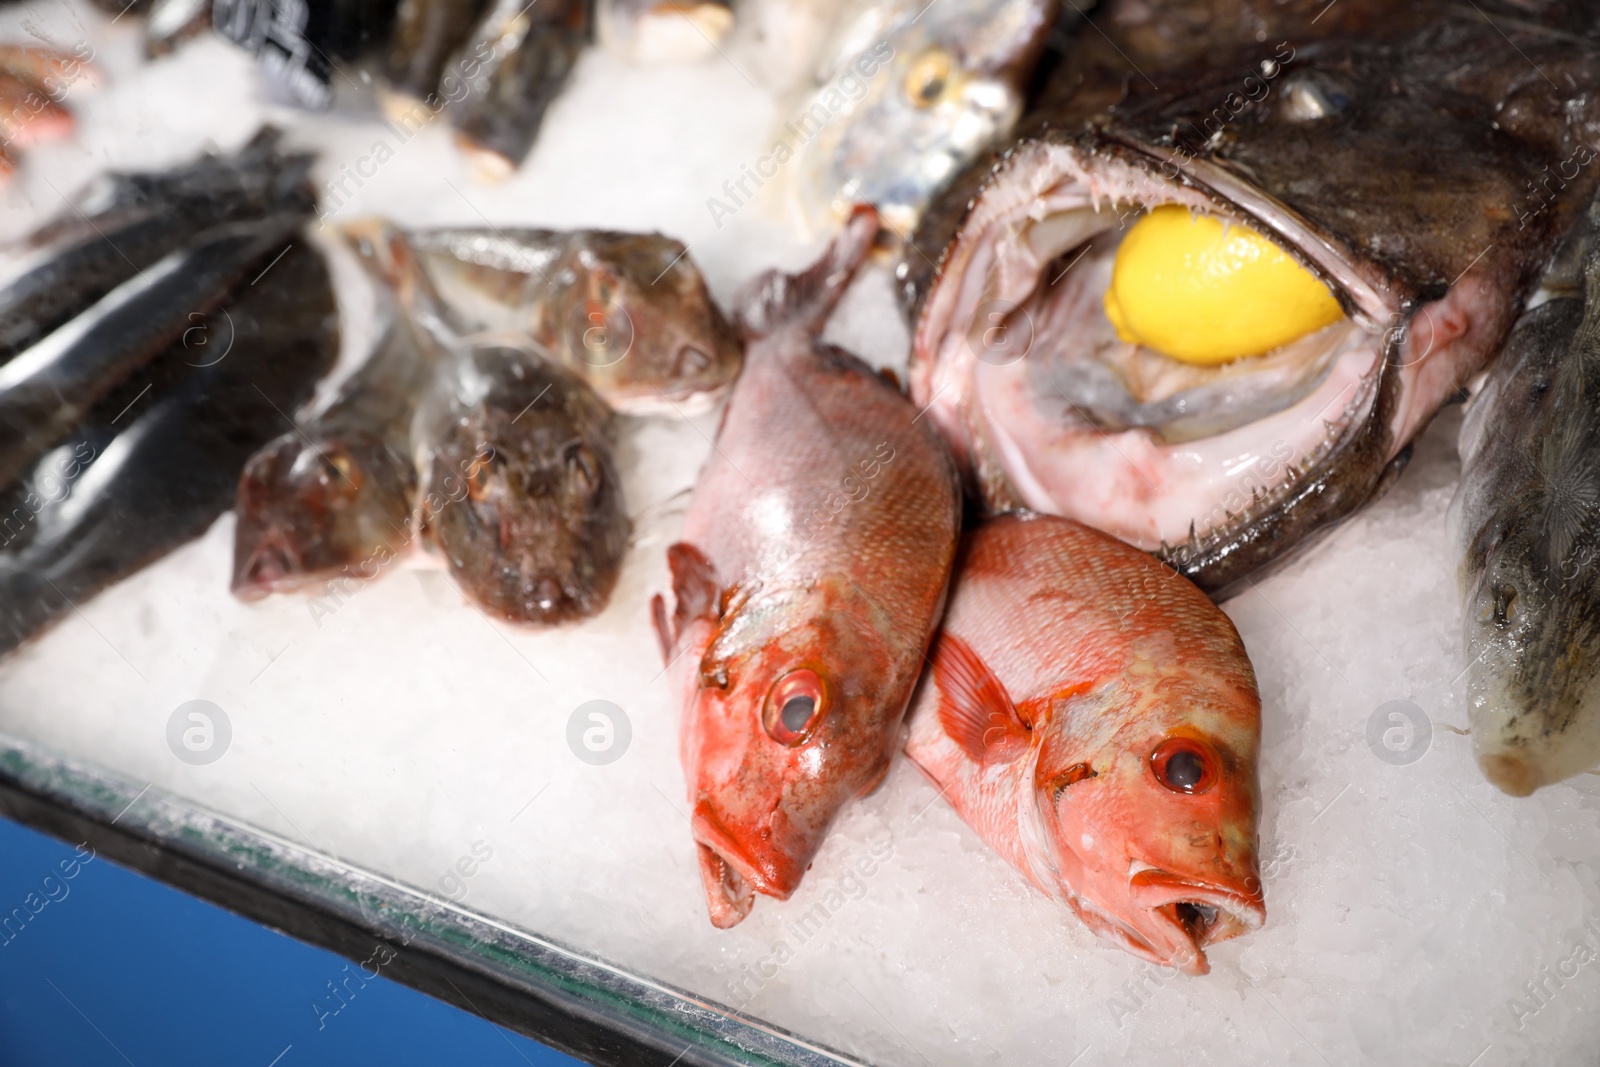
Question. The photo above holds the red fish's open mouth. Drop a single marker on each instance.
(733, 873)
(1185, 915)
(729, 895)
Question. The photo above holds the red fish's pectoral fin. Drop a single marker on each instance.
(974, 708)
(775, 299)
(729, 897)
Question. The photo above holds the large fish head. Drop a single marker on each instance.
(905, 104)
(1531, 633)
(786, 723)
(524, 498)
(311, 508)
(643, 328)
(1152, 821)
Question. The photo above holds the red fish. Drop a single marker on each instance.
(809, 580)
(1094, 718)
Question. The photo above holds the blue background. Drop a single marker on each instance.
(124, 970)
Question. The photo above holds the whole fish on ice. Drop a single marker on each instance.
(1400, 188)
(518, 487)
(1094, 718)
(126, 221)
(1524, 521)
(155, 461)
(809, 577)
(627, 312)
(335, 495)
(46, 390)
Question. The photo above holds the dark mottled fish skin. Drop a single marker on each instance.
(335, 495)
(46, 390)
(160, 467)
(130, 221)
(629, 313)
(426, 32)
(515, 64)
(519, 488)
(1431, 168)
(1523, 520)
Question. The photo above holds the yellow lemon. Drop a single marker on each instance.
(1197, 291)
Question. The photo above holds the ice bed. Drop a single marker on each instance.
(389, 765)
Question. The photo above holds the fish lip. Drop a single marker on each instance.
(286, 573)
(1233, 910)
(710, 833)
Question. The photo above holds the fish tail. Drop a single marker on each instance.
(776, 300)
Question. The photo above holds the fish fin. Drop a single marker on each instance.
(694, 586)
(776, 299)
(664, 635)
(974, 708)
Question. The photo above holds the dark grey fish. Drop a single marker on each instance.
(158, 459)
(518, 487)
(426, 33)
(47, 389)
(627, 312)
(1415, 177)
(515, 64)
(1526, 520)
(126, 222)
(335, 495)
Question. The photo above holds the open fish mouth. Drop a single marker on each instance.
(1184, 916)
(733, 873)
(1049, 409)
(271, 566)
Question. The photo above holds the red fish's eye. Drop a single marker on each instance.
(1184, 765)
(795, 705)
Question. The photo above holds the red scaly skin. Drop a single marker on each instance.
(810, 576)
(1067, 665)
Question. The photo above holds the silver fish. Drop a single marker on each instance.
(906, 96)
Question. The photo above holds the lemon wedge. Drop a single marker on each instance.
(1204, 293)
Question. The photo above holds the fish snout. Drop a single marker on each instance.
(738, 860)
(1182, 915)
(268, 567)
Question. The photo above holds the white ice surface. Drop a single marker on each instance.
(1407, 905)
